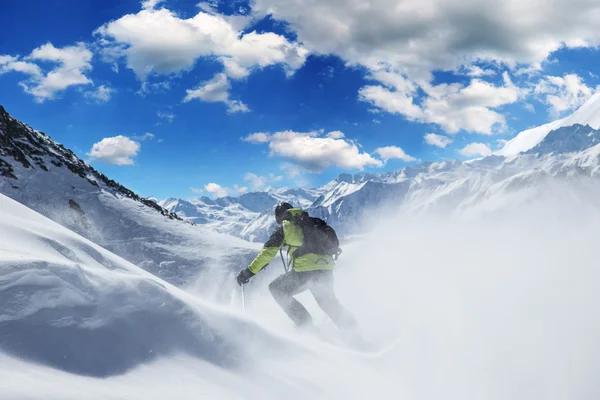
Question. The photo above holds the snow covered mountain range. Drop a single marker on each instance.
(567, 147)
(47, 177)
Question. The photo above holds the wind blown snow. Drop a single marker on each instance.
(499, 305)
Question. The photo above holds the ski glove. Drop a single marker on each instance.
(244, 276)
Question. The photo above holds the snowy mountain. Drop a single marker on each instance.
(246, 216)
(587, 115)
(566, 148)
(47, 177)
(563, 148)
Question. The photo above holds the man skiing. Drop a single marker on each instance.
(309, 271)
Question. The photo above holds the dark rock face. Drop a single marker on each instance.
(21, 144)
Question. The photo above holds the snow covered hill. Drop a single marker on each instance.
(47, 177)
(491, 310)
(72, 312)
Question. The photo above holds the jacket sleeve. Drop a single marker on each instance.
(268, 251)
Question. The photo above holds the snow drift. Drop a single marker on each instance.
(72, 305)
(499, 306)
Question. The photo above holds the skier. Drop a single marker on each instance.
(309, 271)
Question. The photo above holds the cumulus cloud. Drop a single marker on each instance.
(393, 152)
(336, 135)
(150, 4)
(216, 190)
(476, 149)
(476, 71)
(313, 152)
(102, 94)
(454, 107)
(13, 64)
(563, 93)
(416, 37)
(160, 41)
(118, 150)
(258, 182)
(258, 137)
(216, 90)
(69, 67)
(440, 141)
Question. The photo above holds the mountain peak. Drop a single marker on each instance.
(25, 151)
(588, 114)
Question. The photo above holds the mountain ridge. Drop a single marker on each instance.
(50, 179)
(561, 148)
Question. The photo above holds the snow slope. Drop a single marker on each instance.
(47, 177)
(73, 312)
(494, 309)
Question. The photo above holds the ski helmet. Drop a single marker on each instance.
(280, 211)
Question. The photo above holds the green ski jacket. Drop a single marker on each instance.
(289, 235)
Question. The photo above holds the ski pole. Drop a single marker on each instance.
(285, 266)
(243, 299)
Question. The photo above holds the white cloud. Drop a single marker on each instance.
(145, 136)
(258, 137)
(259, 182)
(529, 107)
(453, 107)
(392, 101)
(476, 149)
(416, 37)
(12, 64)
(216, 190)
(336, 135)
(440, 141)
(394, 152)
(563, 93)
(118, 150)
(501, 143)
(313, 152)
(70, 65)
(240, 189)
(216, 90)
(292, 171)
(234, 106)
(151, 4)
(476, 71)
(102, 94)
(169, 116)
(159, 41)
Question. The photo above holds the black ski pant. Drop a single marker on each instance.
(320, 284)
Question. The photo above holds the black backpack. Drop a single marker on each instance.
(319, 238)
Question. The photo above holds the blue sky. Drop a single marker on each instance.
(180, 98)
